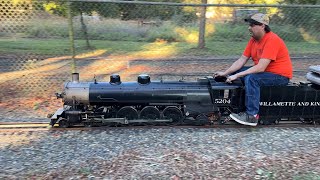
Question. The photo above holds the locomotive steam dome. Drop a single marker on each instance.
(115, 79)
(143, 79)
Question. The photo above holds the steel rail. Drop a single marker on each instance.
(30, 126)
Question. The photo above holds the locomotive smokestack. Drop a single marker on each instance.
(75, 77)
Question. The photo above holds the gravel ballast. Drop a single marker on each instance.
(162, 153)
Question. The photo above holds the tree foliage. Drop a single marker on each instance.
(124, 11)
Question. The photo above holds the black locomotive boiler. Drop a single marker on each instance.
(207, 100)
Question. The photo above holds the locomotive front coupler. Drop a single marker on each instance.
(59, 95)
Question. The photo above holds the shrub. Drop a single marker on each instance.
(229, 32)
(115, 29)
(48, 28)
(288, 33)
(238, 32)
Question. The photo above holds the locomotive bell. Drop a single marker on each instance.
(115, 79)
(143, 79)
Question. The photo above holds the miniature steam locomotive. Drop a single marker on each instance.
(205, 101)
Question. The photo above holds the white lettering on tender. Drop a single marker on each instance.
(314, 103)
(289, 103)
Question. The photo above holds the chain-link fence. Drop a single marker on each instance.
(42, 42)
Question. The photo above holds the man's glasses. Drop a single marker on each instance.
(255, 24)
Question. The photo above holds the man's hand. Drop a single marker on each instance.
(231, 78)
(219, 74)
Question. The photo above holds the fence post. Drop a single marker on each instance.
(202, 25)
(71, 37)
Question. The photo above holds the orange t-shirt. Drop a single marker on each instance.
(272, 47)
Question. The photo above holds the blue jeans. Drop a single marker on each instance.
(253, 82)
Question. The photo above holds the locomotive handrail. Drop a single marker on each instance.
(110, 99)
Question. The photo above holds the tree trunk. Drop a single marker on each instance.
(202, 26)
(71, 38)
(84, 30)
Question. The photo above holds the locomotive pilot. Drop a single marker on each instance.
(272, 66)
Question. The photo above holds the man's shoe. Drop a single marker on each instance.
(244, 118)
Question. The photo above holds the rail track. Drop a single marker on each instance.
(43, 126)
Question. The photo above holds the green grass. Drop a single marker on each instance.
(60, 47)
(303, 48)
(34, 46)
